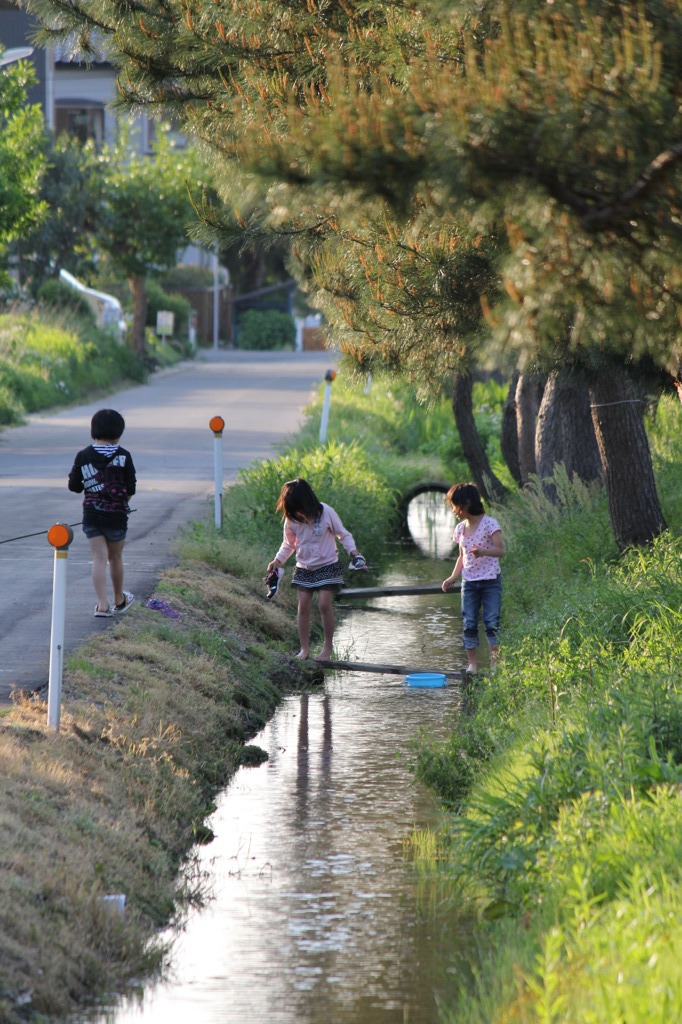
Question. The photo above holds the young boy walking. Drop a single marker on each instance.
(104, 471)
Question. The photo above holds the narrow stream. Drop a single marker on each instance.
(317, 915)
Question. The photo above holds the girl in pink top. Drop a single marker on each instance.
(311, 529)
(480, 549)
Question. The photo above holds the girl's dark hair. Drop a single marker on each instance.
(298, 501)
(466, 496)
(107, 425)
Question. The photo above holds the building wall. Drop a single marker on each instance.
(81, 96)
(16, 28)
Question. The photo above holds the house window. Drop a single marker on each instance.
(84, 121)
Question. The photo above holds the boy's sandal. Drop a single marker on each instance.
(103, 615)
(125, 603)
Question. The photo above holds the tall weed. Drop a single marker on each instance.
(53, 358)
(567, 838)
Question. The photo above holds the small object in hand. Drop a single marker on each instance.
(272, 582)
(358, 562)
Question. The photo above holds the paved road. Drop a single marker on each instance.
(260, 395)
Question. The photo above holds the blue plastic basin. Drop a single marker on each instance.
(426, 679)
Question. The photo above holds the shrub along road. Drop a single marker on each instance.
(260, 395)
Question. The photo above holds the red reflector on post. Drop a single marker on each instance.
(60, 535)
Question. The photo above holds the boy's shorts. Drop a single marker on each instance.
(113, 534)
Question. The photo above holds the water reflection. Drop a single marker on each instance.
(431, 524)
(317, 918)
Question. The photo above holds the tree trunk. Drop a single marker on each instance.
(618, 418)
(138, 288)
(564, 432)
(528, 397)
(509, 436)
(472, 447)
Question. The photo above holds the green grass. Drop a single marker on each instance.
(48, 359)
(566, 780)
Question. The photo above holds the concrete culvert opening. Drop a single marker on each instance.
(426, 520)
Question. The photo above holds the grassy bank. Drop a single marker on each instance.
(156, 714)
(566, 781)
(51, 357)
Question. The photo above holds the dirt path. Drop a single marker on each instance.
(261, 397)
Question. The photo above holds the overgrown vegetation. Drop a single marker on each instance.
(565, 781)
(53, 357)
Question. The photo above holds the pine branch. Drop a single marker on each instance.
(606, 213)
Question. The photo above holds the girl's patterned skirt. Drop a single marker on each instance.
(316, 579)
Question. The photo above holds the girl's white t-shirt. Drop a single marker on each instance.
(485, 567)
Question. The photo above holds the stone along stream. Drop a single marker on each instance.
(317, 916)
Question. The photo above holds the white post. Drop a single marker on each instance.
(368, 384)
(49, 87)
(217, 425)
(329, 377)
(216, 302)
(60, 536)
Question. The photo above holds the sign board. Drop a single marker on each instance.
(165, 323)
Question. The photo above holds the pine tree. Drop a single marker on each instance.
(543, 142)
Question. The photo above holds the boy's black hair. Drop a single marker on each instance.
(466, 496)
(298, 501)
(107, 425)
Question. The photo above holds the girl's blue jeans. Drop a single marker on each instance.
(477, 596)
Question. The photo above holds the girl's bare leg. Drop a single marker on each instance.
(115, 552)
(494, 655)
(305, 601)
(326, 605)
(472, 659)
(100, 557)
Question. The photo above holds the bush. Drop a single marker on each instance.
(10, 406)
(266, 329)
(55, 294)
(341, 476)
(52, 360)
(186, 276)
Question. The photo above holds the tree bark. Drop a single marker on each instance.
(564, 432)
(528, 398)
(618, 418)
(509, 435)
(138, 327)
(472, 447)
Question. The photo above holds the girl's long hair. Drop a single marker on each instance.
(298, 501)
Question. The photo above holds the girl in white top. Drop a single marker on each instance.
(311, 529)
(480, 549)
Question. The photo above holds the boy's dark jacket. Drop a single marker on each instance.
(108, 483)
